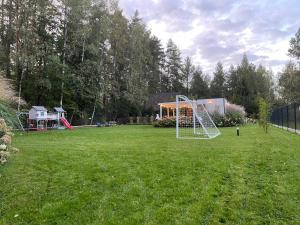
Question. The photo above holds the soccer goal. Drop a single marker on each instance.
(193, 121)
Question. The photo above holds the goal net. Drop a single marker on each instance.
(193, 121)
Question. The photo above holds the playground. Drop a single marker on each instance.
(144, 175)
(39, 119)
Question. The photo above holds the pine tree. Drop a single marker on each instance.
(217, 88)
(199, 85)
(156, 66)
(174, 80)
(139, 63)
(187, 71)
(232, 83)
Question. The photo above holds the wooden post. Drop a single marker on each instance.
(168, 112)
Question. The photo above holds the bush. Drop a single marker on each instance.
(230, 119)
(165, 122)
(233, 108)
(5, 142)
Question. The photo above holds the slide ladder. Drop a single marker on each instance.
(66, 123)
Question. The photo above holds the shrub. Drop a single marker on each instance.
(235, 115)
(165, 122)
(5, 142)
(230, 119)
(233, 108)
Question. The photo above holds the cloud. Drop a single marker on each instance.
(223, 30)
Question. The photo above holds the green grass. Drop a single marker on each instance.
(143, 175)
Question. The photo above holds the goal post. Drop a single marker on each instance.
(193, 121)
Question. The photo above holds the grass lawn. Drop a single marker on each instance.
(143, 175)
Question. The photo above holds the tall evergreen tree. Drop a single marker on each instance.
(156, 66)
(217, 87)
(173, 80)
(139, 63)
(199, 85)
(232, 83)
(187, 71)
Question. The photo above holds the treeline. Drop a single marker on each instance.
(87, 56)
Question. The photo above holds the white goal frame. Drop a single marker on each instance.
(193, 121)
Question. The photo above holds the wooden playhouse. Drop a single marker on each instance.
(39, 119)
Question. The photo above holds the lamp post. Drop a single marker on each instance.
(238, 131)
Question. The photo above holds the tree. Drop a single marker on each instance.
(243, 85)
(217, 87)
(187, 71)
(246, 82)
(199, 85)
(294, 49)
(265, 84)
(119, 71)
(156, 66)
(174, 79)
(264, 113)
(139, 62)
(289, 83)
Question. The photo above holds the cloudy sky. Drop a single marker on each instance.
(223, 30)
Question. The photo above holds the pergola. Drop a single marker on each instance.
(171, 108)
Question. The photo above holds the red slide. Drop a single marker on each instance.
(66, 123)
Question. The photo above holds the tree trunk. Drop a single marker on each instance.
(64, 57)
(71, 119)
(18, 55)
(94, 109)
(83, 49)
(20, 89)
(2, 22)
(9, 37)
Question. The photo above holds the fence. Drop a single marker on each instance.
(136, 120)
(287, 117)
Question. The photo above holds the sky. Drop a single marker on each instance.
(210, 31)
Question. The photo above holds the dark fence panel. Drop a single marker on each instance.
(287, 117)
